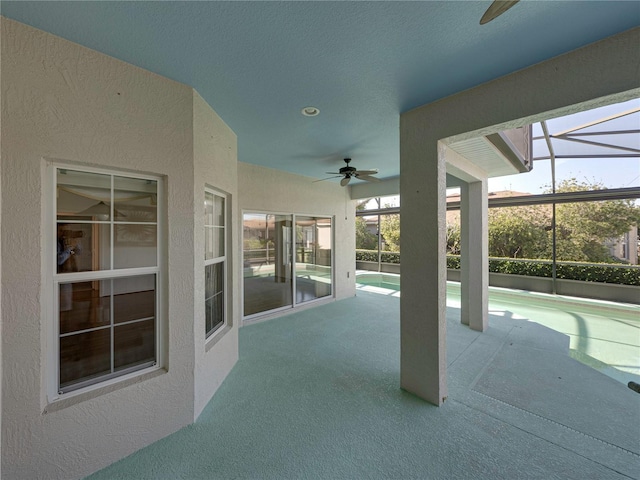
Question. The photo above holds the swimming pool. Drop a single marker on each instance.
(383, 280)
(604, 335)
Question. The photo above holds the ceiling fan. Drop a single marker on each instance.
(497, 8)
(349, 172)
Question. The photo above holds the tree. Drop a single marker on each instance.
(584, 228)
(453, 238)
(364, 238)
(390, 230)
(519, 232)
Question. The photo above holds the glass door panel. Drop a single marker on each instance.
(268, 262)
(313, 258)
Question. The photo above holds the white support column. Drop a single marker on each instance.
(464, 253)
(474, 261)
(423, 301)
(596, 75)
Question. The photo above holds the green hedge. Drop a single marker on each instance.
(372, 256)
(599, 273)
(531, 269)
(595, 272)
(453, 262)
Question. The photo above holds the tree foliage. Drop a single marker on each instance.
(519, 232)
(390, 230)
(582, 228)
(364, 238)
(453, 239)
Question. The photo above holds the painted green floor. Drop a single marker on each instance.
(315, 395)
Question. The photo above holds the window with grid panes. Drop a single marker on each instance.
(214, 260)
(106, 276)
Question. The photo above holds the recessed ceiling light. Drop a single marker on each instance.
(310, 111)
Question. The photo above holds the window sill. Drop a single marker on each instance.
(216, 337)
(73, 398)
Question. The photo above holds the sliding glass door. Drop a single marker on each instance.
(268, 269)
(313, 258)
(273, 278)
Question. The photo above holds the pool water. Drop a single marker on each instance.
(602, 335)
(392, 282)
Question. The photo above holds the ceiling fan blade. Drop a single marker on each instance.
(367, 178)
(323, 179)
(333, 173)
(497, 8)
(366, 172)
(345, 181)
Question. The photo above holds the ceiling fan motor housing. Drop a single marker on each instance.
(348, 170)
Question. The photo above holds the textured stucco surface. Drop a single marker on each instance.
(63, 101)
(1, 100)
(602, 73)
(267, 190)
(474, 256)
(215, 165)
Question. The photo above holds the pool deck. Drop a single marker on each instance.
(603, 335)
(316, 395)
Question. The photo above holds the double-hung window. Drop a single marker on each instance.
(214, 260)
(106, 276)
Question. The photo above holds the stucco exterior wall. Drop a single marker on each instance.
(65, 102)
(267, 190)
(215, 165)
(1, 103)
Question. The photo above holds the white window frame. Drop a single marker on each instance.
(211, 261)
(54, 279)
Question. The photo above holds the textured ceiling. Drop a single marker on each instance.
(361, 63)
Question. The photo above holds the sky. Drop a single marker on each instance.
(611, 172)
(608, 171)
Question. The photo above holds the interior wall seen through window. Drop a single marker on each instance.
(106, 321)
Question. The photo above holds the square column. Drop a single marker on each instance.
(604, 75)
(423, 301)
(474, 251)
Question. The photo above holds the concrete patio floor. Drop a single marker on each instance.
(316, 394)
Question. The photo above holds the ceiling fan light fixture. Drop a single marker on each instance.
(310, 111)
(349, 172)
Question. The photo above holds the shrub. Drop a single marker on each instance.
(366, 255)
(372, 256)
(511, 267)
(453, 262)
(592, 272)
(600, 273)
